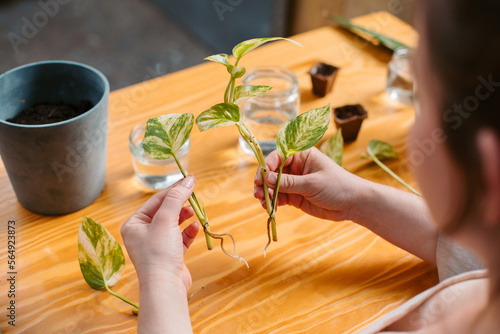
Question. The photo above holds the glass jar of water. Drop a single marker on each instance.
(265, 115)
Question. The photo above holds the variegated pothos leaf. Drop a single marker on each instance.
(303, 132)
(166, 134)
(100, 255)
(222, 114)
(246, 46)
(381, 150)
(222, 58)
(245, 92)
(333, 147)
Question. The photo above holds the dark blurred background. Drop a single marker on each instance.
(134, 40)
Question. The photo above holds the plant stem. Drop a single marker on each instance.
(271, 222)
(391, 173)
(201, 214)
(122, 298)
(249, 138)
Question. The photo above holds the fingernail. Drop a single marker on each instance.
(272, 178)
(188, 182)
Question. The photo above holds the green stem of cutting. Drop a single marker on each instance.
(391, 173)
(122, 298)
(200, 213)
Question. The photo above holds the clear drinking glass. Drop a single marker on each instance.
(154, 173)
(265, 115)
(400, 76)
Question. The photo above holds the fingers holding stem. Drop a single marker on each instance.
(201, 214)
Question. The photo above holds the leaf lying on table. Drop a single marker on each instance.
(166, 134)
(101, 258)
(303, 132)
(381, 150)
(388, 42)
(333, 147)
(377, 150)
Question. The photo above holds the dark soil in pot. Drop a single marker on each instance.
(47, 113)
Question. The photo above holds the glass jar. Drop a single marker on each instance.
(155, 173)
(400, 76)
(265, 115)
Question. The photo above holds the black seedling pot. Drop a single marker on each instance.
(55, 168)
(349, 118)
(322, 77)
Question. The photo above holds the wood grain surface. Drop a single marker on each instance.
(320, 277)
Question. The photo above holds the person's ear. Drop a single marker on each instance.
(489, 151)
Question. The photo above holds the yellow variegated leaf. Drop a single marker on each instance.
(100, 256)
(166, 134)
(246, 46)
(303, 132)
(245, 92)
(333, 147)
(222, 114)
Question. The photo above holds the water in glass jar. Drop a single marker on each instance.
(265, 125)
(266, 114)
(154, 173)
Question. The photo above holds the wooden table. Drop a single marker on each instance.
(321, 277)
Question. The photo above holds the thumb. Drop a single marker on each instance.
(292, 184)
(174, 200)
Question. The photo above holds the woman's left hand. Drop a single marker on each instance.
(153, 238)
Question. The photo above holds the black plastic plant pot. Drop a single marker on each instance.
(349, 118)
(55, 168)
(322, 77)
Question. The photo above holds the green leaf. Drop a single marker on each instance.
(381, 150)
(246, 46)
(333, 147)
(220, 58)
(237, 71)
(166, 134)
(245, 92)
(384, 40)
(100, 256)
(222, 114)
(303, 132)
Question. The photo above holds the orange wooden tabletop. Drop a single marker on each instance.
(320, 277)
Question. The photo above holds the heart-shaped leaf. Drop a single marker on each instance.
(245, 92)
(100, 256)
(222, 114)
(303, 132)
(166, 134)
(333, 147)
(381, 150)
(246, 46)
(220, 58)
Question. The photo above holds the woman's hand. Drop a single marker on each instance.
(153, 238)
(313, 183)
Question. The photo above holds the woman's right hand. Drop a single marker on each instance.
(313, 183)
